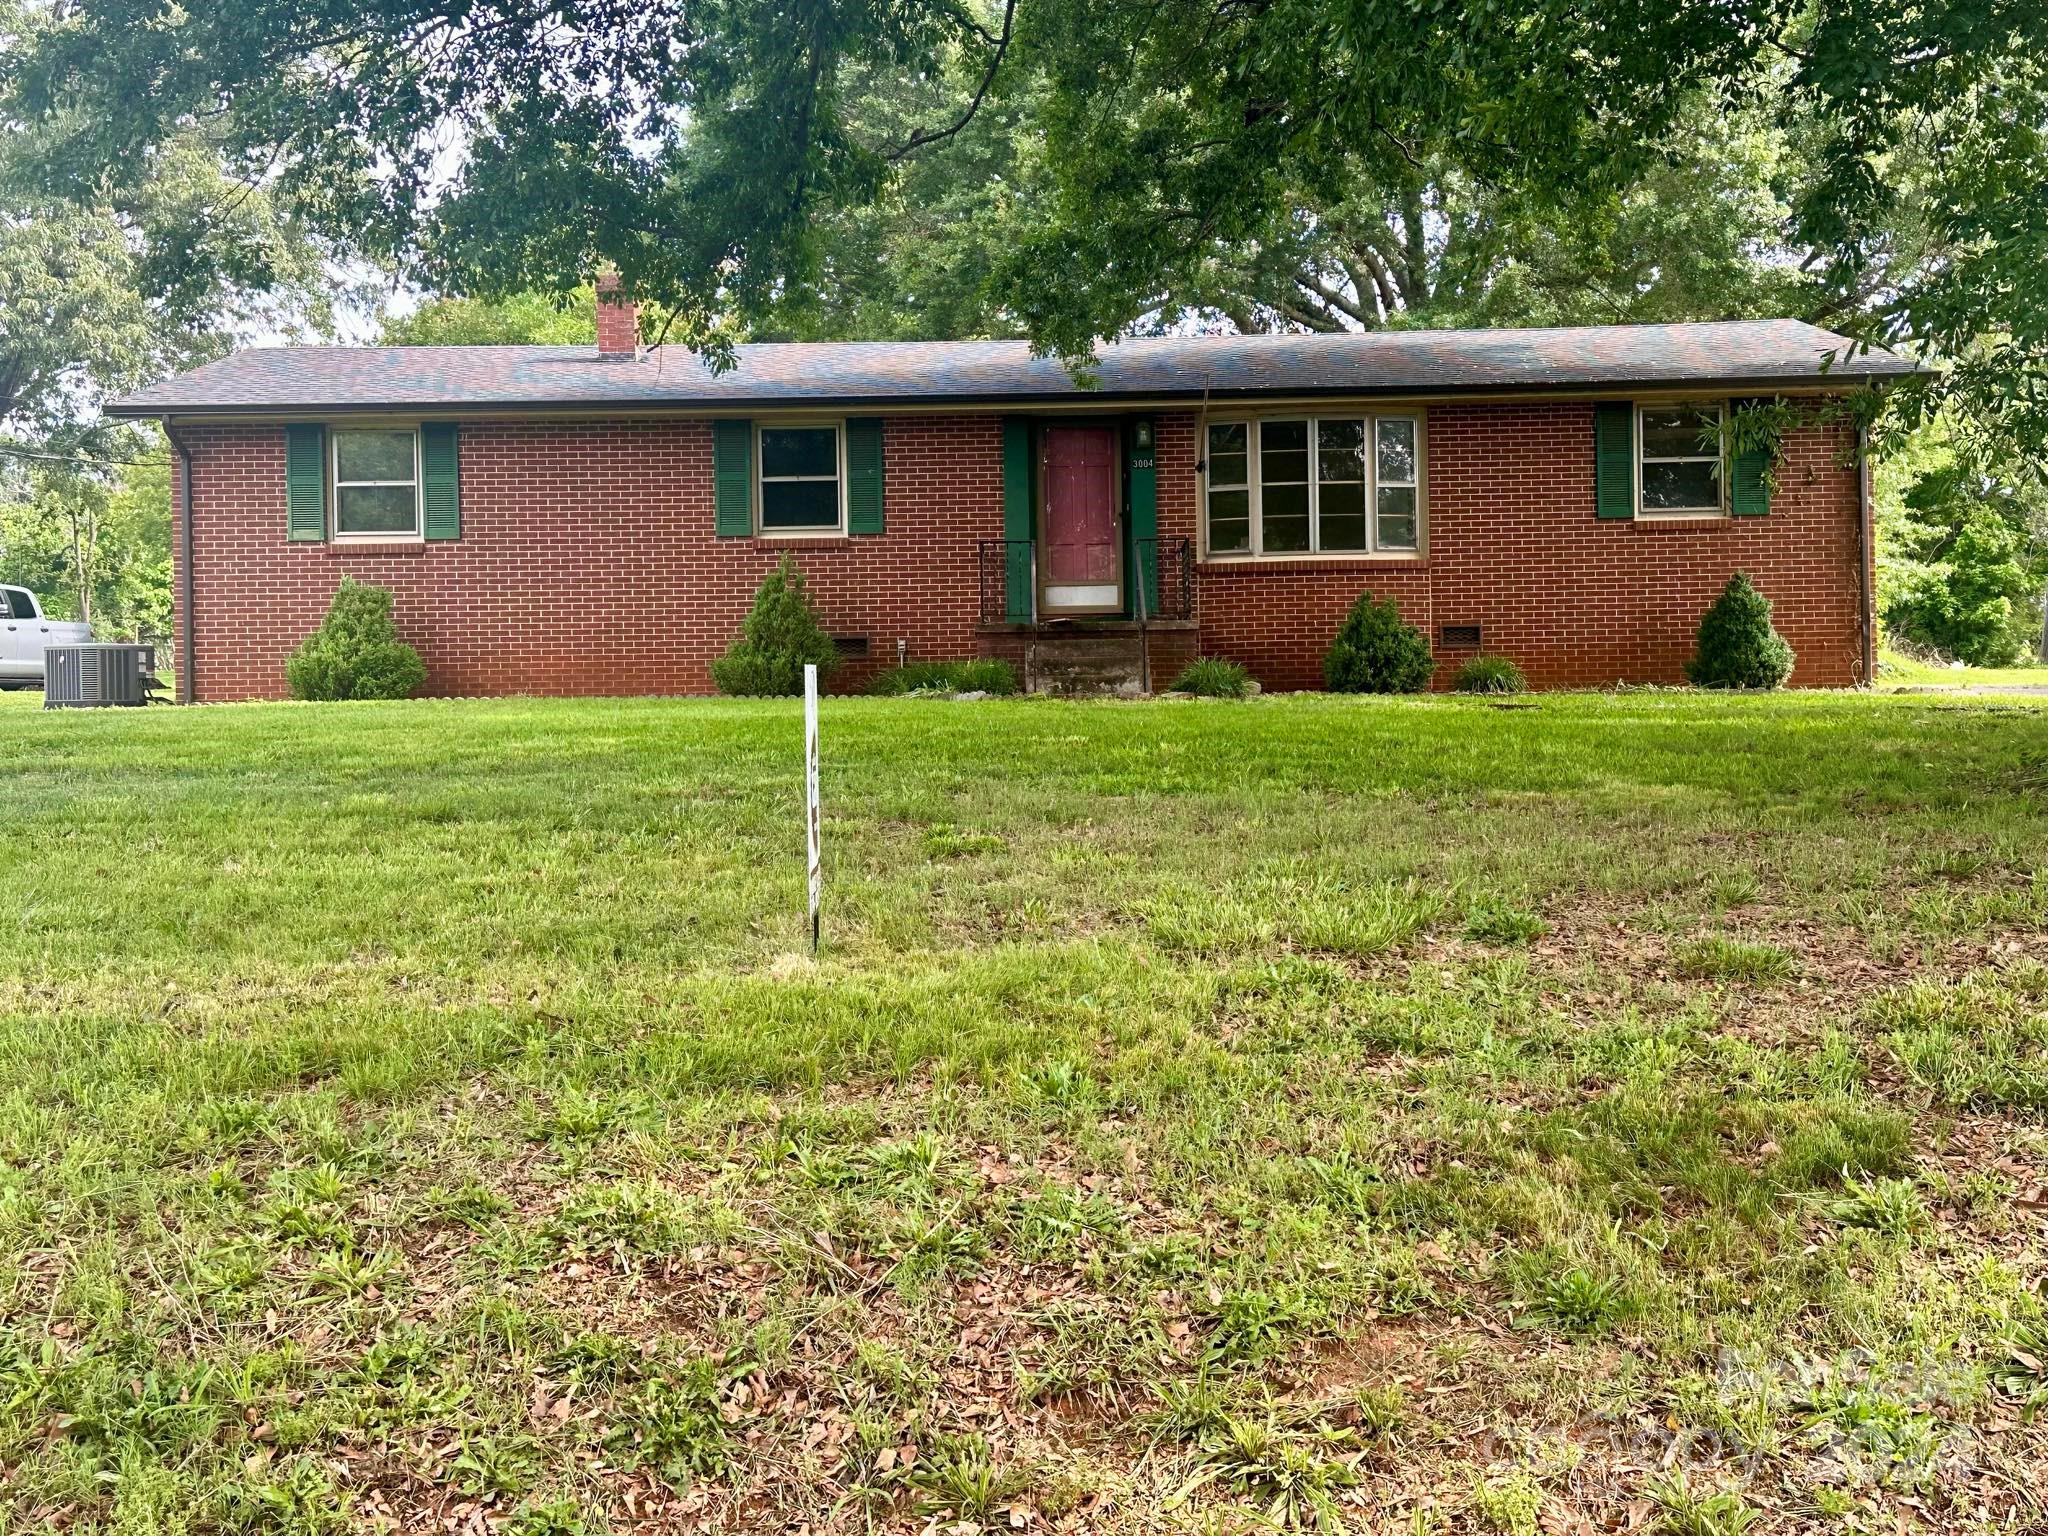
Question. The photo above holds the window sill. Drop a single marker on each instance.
(339, 547)
(1387, 560)
(1681, 519)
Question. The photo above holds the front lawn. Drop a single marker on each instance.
(1427, 1115)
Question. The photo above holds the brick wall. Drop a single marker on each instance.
(587, 562)
(1515, 548)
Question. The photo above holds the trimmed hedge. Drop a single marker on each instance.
(356, 652)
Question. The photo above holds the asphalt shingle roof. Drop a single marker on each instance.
(1734, 354)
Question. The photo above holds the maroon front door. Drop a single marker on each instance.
(1082, 568)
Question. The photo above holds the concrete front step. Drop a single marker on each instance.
(1091, 660)
(1102, 663)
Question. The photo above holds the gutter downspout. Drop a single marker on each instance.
(1866, 557)
(187, 690)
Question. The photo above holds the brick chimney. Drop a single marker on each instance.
(618, 320)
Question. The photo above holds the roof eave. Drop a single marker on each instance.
(1848, 378)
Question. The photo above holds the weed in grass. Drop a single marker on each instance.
(495, 1467)
(1393, 1277)
(298, 1498)
(1686, 1511)
(958, 1478)
(1719, 958)
(575, 1119)
(477, 1206)
(944, 841)
(1893, 1207)
(1345, 1181)
(1980, 1045)
(552, 1517)
(1292, 1477)
(400, 1355)
(1247, 1326)
(510, 1250)
(1735, 888)
(2023, 1372)
(629, 1219)
(1511, 1504)
(1063, 1084)
(598, 1359)
(911, 1166)
(346, 1271)
(233, 1268)
(891, 1373)
(1190, 1408)
(1496, 920)
(673, 1425)
(824, 1167)
(931, 1248)
(1840, 1137)
(226, 1183)
(1380, 1413)
(1056, 1224)
(297, 1224)
(1578, 1301)
(1869, 1436)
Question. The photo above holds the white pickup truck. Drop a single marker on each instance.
(24, 631)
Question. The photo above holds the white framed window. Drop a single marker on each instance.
(1289, 486)
(376, 482)
(1678, 460)
(803, 477)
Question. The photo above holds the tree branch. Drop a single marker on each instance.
(1001, 43)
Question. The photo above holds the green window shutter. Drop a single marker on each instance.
(864, 475)
(1019, 600)
(440, 481)
(305, 483)
(1749, 490)
(732, 478)
(1145, 504)
(1614, 459)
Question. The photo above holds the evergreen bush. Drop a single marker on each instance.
(1375, 652)
(1737, 646)
(781, 635)
(356, 652)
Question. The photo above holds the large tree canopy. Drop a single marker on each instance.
(701, 147)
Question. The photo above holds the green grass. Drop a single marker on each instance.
(1894, 669)
(1344, 1113)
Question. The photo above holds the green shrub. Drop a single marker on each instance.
(1738, 648)
(1214, 678)
(1375, 652)
(986, 675)
(1491, 674)
(780, 636)
(356, 652)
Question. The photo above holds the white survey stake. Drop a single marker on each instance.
(813, 817)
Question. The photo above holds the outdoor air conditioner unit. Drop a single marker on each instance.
(97, 676)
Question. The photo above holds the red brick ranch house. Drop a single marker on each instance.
(595, 521)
